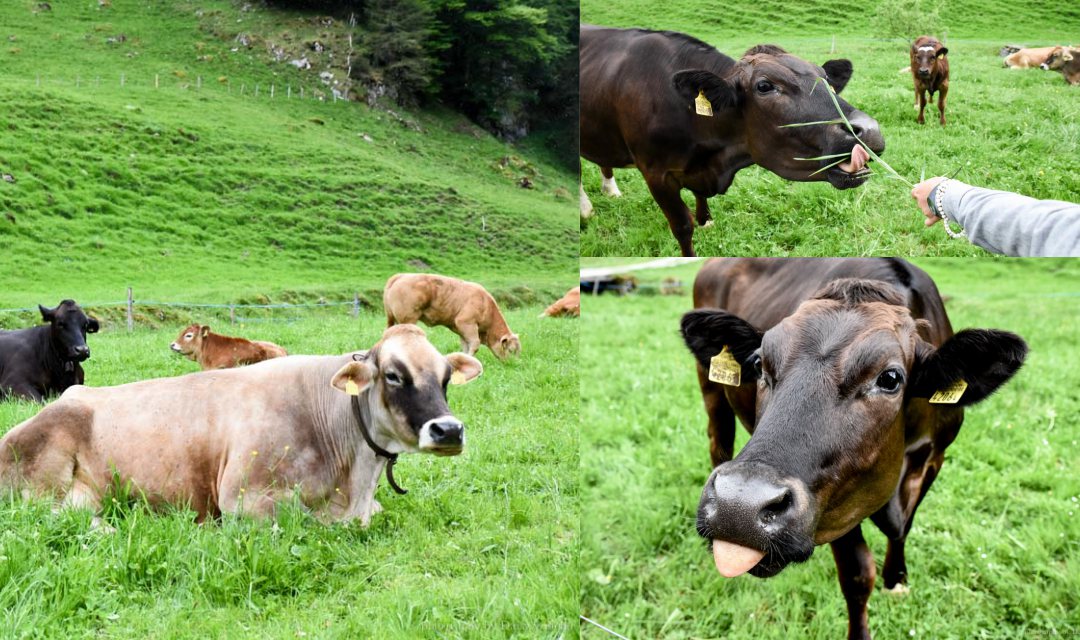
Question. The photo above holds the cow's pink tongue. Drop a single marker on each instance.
(734, 560)
(859, 158)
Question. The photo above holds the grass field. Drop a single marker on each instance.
(995, 548)
(483, 546)
(1012, 130)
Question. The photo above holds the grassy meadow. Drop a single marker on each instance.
(995, 548)
(484, 545)
(1007, 129)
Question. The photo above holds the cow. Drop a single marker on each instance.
(690, 117)
(45, 360)
(466, 308)
(1067, 61)
(317, 429)
(215, 351)
(568, 305)
(1027, 58)
(930, 71)
(838, 367)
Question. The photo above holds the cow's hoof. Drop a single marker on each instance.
(613, 192)
(708, 223)
(899, 590)
(375, 507)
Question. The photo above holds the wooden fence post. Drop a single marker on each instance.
(356, 305)
(130, 310)
(232, 314)
(156, 81)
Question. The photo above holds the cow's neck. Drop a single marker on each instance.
(497, 328)
(59, 373)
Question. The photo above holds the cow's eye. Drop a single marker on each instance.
(764, 86)
(890, 380)
(188, 336)
(61, 325)
(755, 364)
(393, 379)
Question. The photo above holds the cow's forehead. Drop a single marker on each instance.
(784, 66)
(411, 348)
(833, 326)
(68, 307)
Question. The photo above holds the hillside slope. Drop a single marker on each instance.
(139, 153)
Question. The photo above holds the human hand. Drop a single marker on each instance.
(921, 192)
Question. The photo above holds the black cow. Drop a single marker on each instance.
(843, 366)
(690, 117)
(44, 360)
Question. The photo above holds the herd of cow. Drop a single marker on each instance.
(237, 438)
(689, 117)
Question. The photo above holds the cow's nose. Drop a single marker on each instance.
(1044, 66)
(764, 503)
(867, 130)
(81, 352)
(446, 432)
(925, 73)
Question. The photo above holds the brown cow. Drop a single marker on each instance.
(689, 117)
(930, 70)
(215, 351)
(1067, 61)
(320, 429)
(1027, 58)
(465, 308)
(568, 305)
(834, 365)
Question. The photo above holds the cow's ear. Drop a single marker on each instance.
(942, 52)
(691, 82)
(838, 73)
(984, 359)
(47, 314)
(92, 325)
(204, 330)
(465, 367)
(1067, 56)
(353, 378)
(708, 331)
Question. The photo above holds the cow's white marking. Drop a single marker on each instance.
(609, 188)
(586, 206)
(426, 441)
(926, 47)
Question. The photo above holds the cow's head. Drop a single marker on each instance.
(190, 340)
(926, 56)
(1057, 59)
(69, 326)
(402, 380)
(770, 88)
(832, 384)
(507, 345)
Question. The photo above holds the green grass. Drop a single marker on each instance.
(483, 546)
(1010, 130)
(995, 548)
(220, 196)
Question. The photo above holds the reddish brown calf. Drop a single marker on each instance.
(214, 351)
(930, 69)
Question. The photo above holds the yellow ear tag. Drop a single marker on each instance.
(950, 394)
(940, 56)
(725, 369)
(352, 388)
(702, 105)
(457, 377)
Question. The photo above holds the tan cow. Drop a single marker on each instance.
(242, 440)
(568, 305)
(466, 308)
(215, 351)
(1027, 58)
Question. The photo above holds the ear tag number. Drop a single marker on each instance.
(950, 394)
(725, 369)
(352, 388)
(702, 105)
(457, 377)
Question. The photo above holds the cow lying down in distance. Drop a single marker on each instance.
(242, 440)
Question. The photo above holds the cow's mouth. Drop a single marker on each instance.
(734, 560)
(853, 172)
(445, 450)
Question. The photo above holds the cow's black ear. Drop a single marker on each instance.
(838, 72)
(708, 331)
(92, 325)
(47, 314)
(721, 93)
(983, 358)
(942, 51)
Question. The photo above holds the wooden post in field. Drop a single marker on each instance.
(121, 79)
(232, 314)
(288, 92)
(356, 305)
(39, 80)
(301, 93)
(198, 82)
(130, 311)
(156, 81)
(256, 90)
(242, 87)
(271, 92)
(78, 82)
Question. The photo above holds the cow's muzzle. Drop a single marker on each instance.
(444, 436)
(762, 520)
(80, 354)
(924, 73)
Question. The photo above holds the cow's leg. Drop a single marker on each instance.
(922, 106)
(27, 392)
(855, 569)
(721, 419)
(470, 336)
(586, 206)
(608, 186)
(704, 217)
(667, 196)
(941, 105)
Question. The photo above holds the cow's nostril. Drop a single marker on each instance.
(446, 432)
(776, 507)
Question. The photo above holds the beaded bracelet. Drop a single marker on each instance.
(939, 209)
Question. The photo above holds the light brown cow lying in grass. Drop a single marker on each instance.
(242, 440)
(215, 351)
(466, 308)
(1027, 58)
(568, 305)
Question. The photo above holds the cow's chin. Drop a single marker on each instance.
(442, 450)
(841, 179)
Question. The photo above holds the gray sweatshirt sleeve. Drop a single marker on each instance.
(1012, 224)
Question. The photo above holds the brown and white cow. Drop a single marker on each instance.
(568, 305)
(1027, 58)
(832, 365)
(689, 117)
(243, 440)
(215, 351)
(466, 308)
(930, 70)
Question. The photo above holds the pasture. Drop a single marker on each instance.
(1010, 130)
(484, 545)
(995, 548)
